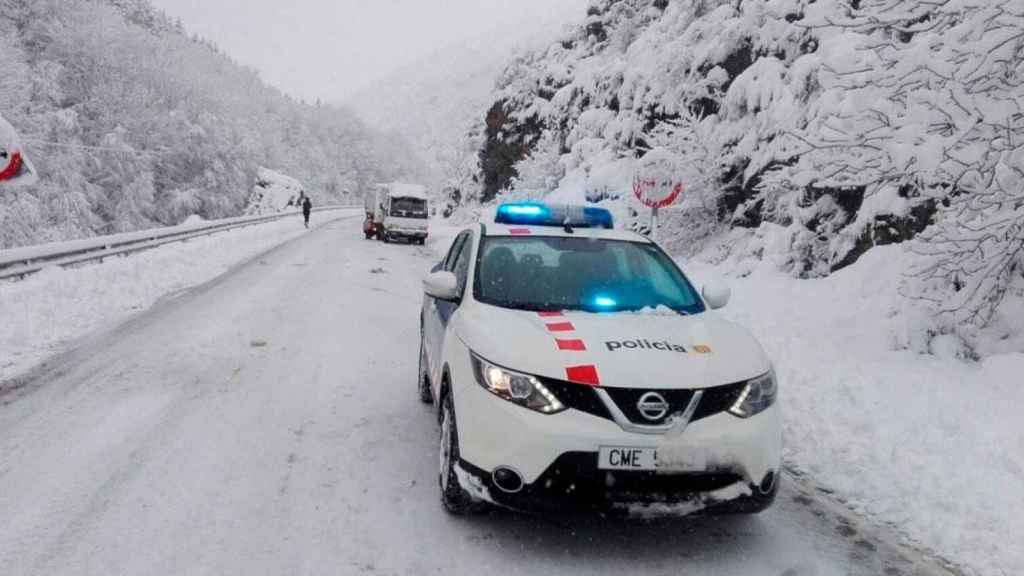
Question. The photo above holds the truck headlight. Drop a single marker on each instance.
(757, 396)
(516, 387)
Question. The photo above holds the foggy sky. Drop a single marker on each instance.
(328, 49)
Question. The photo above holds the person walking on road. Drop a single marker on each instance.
(307, 208)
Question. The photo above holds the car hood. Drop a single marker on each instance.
(624, 350)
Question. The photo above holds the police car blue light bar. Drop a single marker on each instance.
(540, 214)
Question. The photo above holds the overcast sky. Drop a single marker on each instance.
(330, 48)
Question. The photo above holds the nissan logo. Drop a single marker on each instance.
(652, 406)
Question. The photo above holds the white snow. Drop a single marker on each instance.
(929, 444)
(47, 313)
(268, 424)
(273, 192)
(411, 191)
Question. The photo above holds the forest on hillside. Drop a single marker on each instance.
(131, 124)
(807, 132)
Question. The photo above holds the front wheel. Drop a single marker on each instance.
(424, 380)
(455, 499)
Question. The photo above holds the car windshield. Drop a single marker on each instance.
(409, 207)
(536, 273)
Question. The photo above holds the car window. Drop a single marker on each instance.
(461, 268)
(453, 252)
(580, 274)
(409, 208)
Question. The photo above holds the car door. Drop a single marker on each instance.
(437, 313)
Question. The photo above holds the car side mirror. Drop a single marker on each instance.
(442, 285)
(717, 295)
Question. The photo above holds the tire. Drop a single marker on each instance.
(455, 499)
(426, 396)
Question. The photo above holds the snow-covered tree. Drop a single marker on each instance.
(132, 123)
(923, 102)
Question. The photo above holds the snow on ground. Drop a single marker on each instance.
(269, 424)
(927, 443)
(46, 313)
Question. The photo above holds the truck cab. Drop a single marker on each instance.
(398, 212)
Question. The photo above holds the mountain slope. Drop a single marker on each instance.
(132, 124)
(807, 132)
(434, 101)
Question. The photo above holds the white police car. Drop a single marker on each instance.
(575, 367)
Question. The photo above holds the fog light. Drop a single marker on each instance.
(507, 480)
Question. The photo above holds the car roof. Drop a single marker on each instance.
(491, 229)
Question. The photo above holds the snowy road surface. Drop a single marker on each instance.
(267, 423)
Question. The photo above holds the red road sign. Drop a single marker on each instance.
(656, 183)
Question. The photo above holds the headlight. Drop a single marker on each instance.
(522, 389)
(757, 396)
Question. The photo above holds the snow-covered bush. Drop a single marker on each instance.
(922, 104)
(840, 125)
(273, 192)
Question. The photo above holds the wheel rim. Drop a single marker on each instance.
(446, 450)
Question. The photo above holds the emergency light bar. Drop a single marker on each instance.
(540, 214)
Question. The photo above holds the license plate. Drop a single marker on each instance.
(621, 458)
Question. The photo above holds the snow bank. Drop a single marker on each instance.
(274, 192)
(930, 444)
(44, 314)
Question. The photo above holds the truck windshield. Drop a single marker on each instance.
(409, 207)
(535, 273)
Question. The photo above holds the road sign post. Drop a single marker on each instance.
(656, 183)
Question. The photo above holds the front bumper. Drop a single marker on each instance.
(716, 460)
(406, 233)
(573, 484)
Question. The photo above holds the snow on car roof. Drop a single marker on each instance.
(493, 229)
(401, 190)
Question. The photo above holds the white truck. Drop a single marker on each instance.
(396, 211)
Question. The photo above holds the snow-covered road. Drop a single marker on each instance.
(267, 423)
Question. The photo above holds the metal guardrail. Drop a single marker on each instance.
(19, 263)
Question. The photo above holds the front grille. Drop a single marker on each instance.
(627, 398)
(583, 398)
